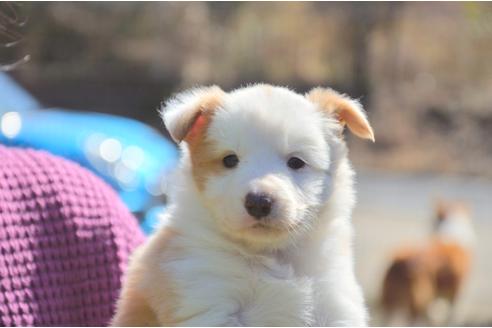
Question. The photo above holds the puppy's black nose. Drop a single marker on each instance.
(258, 205)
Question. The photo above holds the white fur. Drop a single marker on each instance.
(233, 274)
(457, 227)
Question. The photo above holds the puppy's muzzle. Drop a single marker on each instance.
(258, 205)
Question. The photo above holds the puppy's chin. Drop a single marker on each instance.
(262, 235)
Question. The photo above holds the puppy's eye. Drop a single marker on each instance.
(230, 161)
(295, 163)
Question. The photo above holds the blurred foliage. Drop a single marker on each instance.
(422, 70)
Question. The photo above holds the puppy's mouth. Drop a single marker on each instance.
(266, 226)
(261, 225)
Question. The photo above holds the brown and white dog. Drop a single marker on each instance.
(258, 232)
(419, 275)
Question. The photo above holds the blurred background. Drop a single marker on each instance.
(85, 80)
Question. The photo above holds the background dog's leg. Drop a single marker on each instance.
(450, 313)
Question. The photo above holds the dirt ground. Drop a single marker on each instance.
(395, 209)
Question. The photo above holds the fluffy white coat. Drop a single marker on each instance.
(212, 264)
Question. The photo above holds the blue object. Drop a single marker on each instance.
(13, 97)
(132, 157)
(152, 218)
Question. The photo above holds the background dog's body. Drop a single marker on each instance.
(211, 263)
(420, 275)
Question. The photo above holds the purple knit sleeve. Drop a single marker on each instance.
(65, 238)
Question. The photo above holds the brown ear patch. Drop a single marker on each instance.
(204, 161)
(181, 112)
(198, 124)
(346, 110)
(211, 101)
(206, 104)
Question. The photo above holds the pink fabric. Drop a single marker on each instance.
(65, 238)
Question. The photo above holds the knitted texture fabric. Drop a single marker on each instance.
(65, 238)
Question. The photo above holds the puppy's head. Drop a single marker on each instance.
(263, 158)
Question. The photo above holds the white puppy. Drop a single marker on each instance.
(258, 232)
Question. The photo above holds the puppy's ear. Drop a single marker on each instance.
(183, 111)
(348, 111)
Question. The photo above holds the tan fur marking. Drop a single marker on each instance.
(346, 110)
(208, 102)
(149, 297)
(134, 311)
(204, 162)
(212, 100)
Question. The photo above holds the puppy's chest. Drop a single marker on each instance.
(273, 294)
(270, 268)
(255, 291)
(280, 279)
